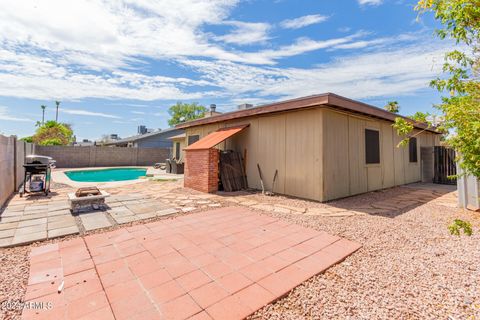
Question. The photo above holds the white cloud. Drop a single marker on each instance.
(49, 51)
(370, 2)
(398, 70)
(304, 21)
(4, 115)
(246, 33)
(137, 112)
(80, 112)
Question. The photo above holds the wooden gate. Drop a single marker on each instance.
(444, 165)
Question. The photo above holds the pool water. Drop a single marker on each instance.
(106, 175)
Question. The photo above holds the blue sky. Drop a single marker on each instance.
(117, 64)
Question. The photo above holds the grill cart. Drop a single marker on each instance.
(38, 170)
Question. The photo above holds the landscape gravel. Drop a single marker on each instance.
(410, 267)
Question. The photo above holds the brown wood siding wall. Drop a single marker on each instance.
(345, 139)
(319, 153)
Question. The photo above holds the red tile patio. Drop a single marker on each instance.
(222, 264)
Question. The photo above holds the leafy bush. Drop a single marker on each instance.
(458, 224)
(27, 139)
(53, 133)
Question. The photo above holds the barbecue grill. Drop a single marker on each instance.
(38, 170)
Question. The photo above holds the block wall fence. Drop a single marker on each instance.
(12, 158)
(94, 156)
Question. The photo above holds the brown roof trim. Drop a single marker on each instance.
(326, 99)
(293, 104)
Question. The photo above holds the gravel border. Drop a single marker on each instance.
(409, 267)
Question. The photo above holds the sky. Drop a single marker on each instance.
(118, 64)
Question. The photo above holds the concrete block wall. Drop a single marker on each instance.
(7, 165)
(12, 158)
(77, 157)
(201, 170)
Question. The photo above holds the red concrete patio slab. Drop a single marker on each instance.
(221, 264)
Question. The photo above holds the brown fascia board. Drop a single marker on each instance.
(326, 99)
(350, 105)
(293, 104)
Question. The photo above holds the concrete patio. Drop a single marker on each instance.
(220, 264)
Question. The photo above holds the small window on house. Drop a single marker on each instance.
(193, 139)
(372, 146)
(177, 150)
(412, 149)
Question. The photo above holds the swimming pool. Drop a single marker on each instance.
(106, 175)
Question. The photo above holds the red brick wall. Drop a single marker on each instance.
(201, 170)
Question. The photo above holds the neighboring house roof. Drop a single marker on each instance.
(322, 100)
(142, 136)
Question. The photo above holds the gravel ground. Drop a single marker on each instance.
(14, 267)
(410, 267)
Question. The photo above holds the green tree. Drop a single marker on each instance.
(392, 106)
(27, 139)
(53, 133)
(181, 112)
(460, 107)
(420, 116)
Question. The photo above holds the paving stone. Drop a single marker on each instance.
(5, 241)
(148, 215)
(61, 224)
(188, 209)
(94, 220)
(60, 218)
(15, 208)
(8, 225)
(124, 219)
(166, 212)
(7, 213)
(31, 222)
(32, 216)
(9, 219)
(7, 233)
(141, 208)
(62, 231)
(59, 213)
(42, 208)
(120, 212)
(31, 229)
(29, 237)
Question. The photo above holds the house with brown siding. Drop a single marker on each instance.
(323, 147)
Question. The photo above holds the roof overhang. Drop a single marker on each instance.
(178, 137)
(215, 138)
(317, 101)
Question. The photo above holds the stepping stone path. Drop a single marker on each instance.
(415, 195)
